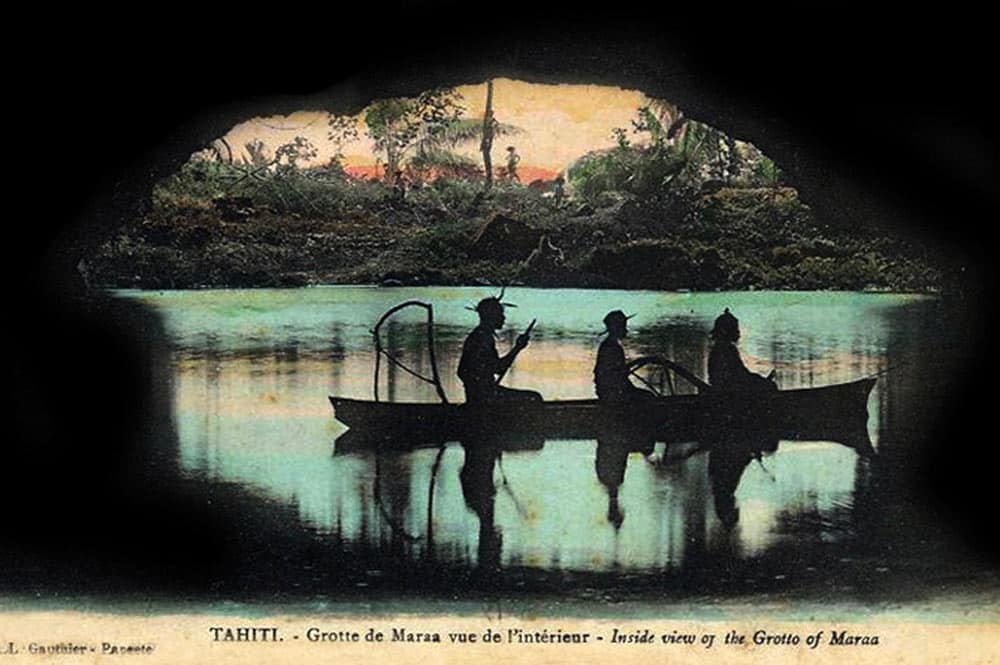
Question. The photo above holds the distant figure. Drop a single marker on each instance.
(480, 364)
(513, 159)
(726, 370)
(611, 371)
(558, 191)
(399, 186)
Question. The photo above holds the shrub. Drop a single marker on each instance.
(641, 171)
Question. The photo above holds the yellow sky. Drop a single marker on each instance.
(559, 123)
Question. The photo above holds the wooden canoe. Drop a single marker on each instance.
(829, 413)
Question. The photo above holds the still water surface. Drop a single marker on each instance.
(252, 371)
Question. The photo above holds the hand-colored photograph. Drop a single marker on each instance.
(571, 327)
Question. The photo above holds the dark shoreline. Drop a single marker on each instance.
(112, 289)
(729, 240)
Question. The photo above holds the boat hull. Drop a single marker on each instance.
(829, 413)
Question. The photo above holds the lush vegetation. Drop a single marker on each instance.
(675, 204)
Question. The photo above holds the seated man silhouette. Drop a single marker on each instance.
(611, 371)
(726, 370)
(612, 385)
(481, 365)
(736, 441)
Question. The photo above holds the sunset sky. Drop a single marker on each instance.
(559, 123)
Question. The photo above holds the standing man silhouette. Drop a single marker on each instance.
(611, 371)
(513, 159)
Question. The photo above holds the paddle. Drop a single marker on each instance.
(527, 331)
(522, 513)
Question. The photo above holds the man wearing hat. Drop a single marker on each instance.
(481, 365)
(611, 371)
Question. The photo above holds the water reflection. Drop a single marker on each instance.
(610, 462)
(253, 370)
(480, 493)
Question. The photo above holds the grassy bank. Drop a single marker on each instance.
(316, 227)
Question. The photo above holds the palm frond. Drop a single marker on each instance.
(464, 130)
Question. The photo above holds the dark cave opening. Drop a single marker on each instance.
(818, 112)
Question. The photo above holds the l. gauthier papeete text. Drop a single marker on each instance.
(75, 649)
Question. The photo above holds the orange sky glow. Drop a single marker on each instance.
(558, 124)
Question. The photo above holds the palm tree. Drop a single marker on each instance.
(436, 150)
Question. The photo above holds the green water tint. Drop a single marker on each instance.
(253, 370)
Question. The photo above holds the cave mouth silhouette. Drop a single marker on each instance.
(857, 149)
(824, 147)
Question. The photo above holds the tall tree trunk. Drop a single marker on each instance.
(391, 164)
(486, 145)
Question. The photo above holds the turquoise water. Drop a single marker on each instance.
(252, 371)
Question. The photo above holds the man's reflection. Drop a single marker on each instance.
(610, 462)
(480, 494)
(733, 442)
(726, 462)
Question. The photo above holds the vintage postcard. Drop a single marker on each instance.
(560, 346)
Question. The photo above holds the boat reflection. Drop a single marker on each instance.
(674, 482)
(251, 370)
